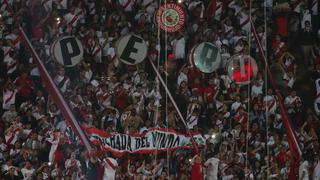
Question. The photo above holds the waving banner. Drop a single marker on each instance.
(152, 140)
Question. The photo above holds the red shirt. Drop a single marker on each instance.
(196, 172)
(25, 86)
(282, 24)
(211, 92)
(121, 101)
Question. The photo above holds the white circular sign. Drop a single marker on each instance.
(131, 49)
(206, 57)
(242, 69)
(67, 51)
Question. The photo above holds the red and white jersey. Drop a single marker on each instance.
(110, 168)
(235, 106)
(61, 4)
(92, 8)
(228, 31)
(241, 118)
(11, 64)
(104, 98)
(27, 173)
(297, 6)
(62, 82)
(72, 163)
(124, 117)
(126, 5)
(97, 53)
(9, 98)
(218, 12)
(244, 22)
(80, 13)
(54, 138)
(295, 101)
(317, 99)
(271, 103)
(47, 4)
(71, 19)
(12, 135)
(192, 121)
(314, 7)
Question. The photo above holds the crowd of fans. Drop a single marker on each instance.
(243, 127)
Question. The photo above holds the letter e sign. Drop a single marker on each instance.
(131, 49)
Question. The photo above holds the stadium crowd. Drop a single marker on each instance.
(245, 135)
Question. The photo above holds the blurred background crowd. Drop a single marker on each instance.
(242, 124)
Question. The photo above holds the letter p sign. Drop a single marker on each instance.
(67, 51)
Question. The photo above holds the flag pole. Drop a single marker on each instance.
(292, 140)
(174, 104)
(56, 94)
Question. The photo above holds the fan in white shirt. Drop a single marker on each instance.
(183, 76)
(303, 171)
(292, 102)
(27, 171)
(179, 46)
(256, 89)
(110, 168)
(212, 165)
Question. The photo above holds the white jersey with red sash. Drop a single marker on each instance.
(12, 136)
(97, 53)
(126, 5)
(47, 4)
(92, 8)
(104, 98)
(14, 43)
(295, 102)
(62, 4)
(54, 138)
(71, 19)
(9, 98)
(4, 4)
(271, 103)
(62, 82)
(110, 168)
(192, 121)
(317, 99)
(81, 14)
(228, 31)
(244, 22)
(314, 7)
(218, 12)
(296, 6)
(235, 106)
(11, 64)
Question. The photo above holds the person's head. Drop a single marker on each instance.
(12, 108)
(307, 25)
(73, 155)
(28, 165)
(293, 93)
(11, 170)
(61, 71)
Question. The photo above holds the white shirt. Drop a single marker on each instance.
(235, 106)
(9, 98)
(303, 168)
(64, 87)
(109, 171)
(316, 172)
(212, 164)
(128, 8)
(27, 173)
(182, 77)
(179, 48)
(256, 90)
